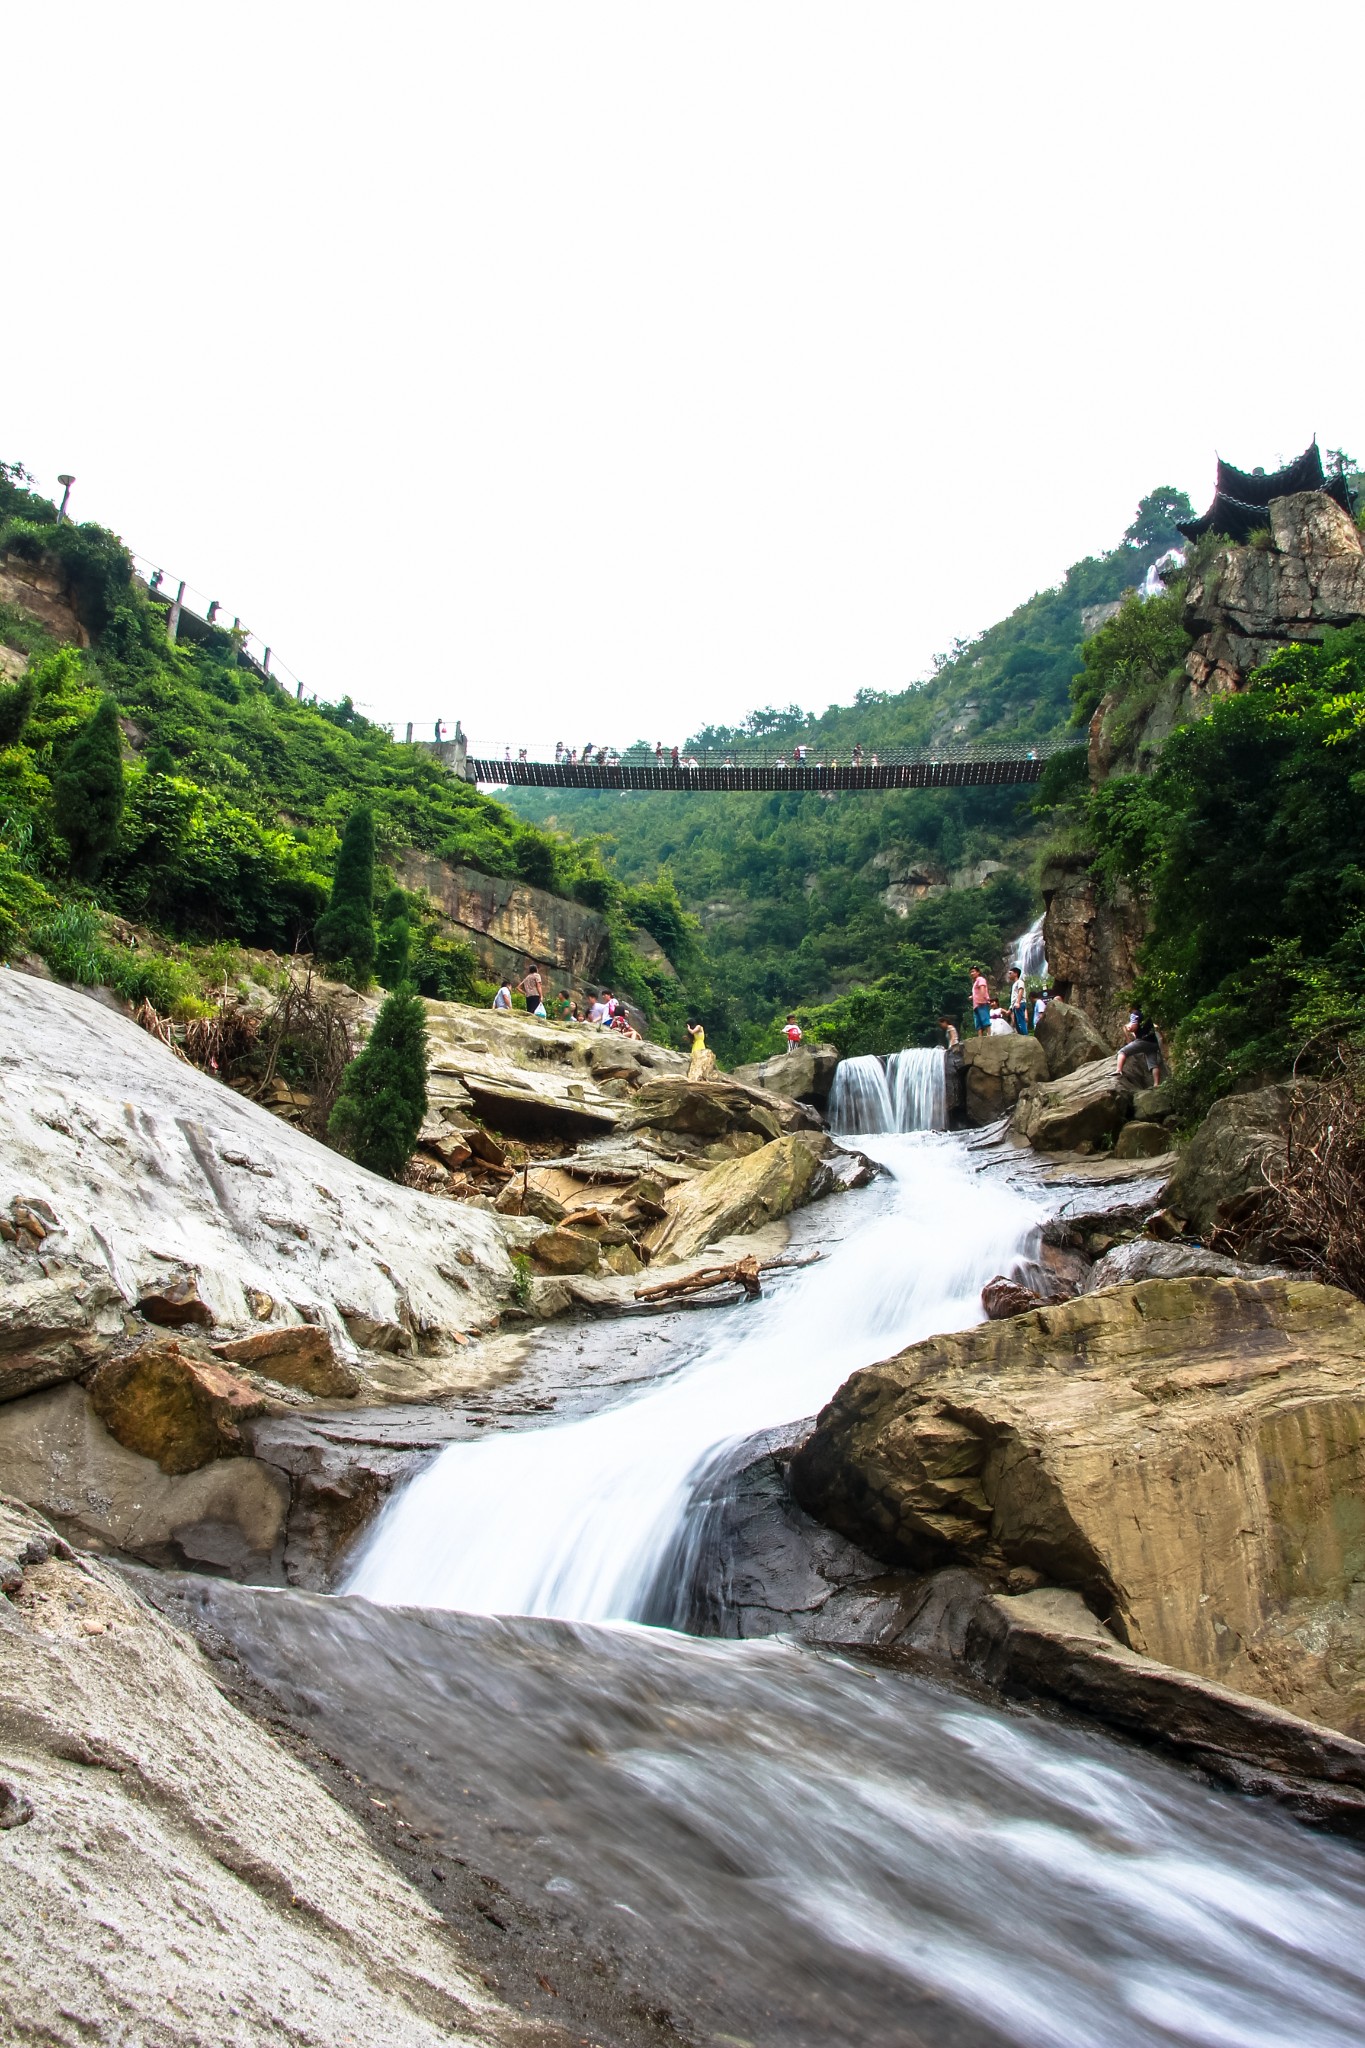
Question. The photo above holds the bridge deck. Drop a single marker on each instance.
(915, 772)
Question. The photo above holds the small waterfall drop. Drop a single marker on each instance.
(907, 1093)
(1029, 952)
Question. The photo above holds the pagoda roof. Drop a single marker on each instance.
(1241, 495)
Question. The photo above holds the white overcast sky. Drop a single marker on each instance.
(600, 370)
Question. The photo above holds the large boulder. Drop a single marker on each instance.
(1225, 1160)
(997, 1070)
(1083, 1108)
(1148, 1258)
(164, 1404)
(1069, 1039)
(1187, 1454)
(806, 1075)
(158, 1188)
(744, 1194)
(175, 1873)
(715, 1109)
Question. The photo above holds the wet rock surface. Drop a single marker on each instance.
(1086, 1107)
(996, 1071)
(178, 1876)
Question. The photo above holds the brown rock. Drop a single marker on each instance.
(1092, 940)
(1069, 1039)
(1002, 1298)
(1226, 1158)
(1079, 1110)
(299, 1355)
(53, 1327)
(743, 1194)
(996, 1072)
(175, 1304)
(715, 1109)
(1187, 1454)
(179, 1410)
(1139, 1140)
(565, 1251)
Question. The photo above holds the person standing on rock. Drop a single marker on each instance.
(1019, 1002)
(791, 1031)
(981, 1003)
(702, 1064)
(533, 988)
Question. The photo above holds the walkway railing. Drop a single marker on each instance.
(191, 615)
(956, 765)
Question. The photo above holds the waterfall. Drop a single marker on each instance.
(908, 1093)
(1029, 953)
(577, 1519)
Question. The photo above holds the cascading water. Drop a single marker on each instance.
(909, 1093)
(575, 1520)
(1029, 953)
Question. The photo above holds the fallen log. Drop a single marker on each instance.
(744, 1272)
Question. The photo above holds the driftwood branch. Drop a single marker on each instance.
(743, 1273)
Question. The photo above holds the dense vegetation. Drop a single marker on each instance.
(789, 889)
(1249, 837)
(225, 822)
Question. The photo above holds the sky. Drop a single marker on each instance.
(600, 371)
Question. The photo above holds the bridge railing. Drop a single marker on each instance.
(778, 757)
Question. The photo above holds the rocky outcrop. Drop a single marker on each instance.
(180, 1410)
(1069, 1039)
(715, 1110)
(532, 1078)
(509, 923)
(154, 1174)
(1092, 941)
(743, 1194)
(1083, 1109)
(1222, 1169)
(176, 1875)
(806, 1075)
(996, 1071)
(40, 590)
(1249, 601)
(1148, 1258)
(1187, 1454)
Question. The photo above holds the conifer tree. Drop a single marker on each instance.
(393, 959)
(383, 1095)
(16, 702)
(344, 934)
(87, 791)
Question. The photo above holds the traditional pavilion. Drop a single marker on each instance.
(1241, 496)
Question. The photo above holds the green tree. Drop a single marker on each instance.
(344, 934)
(16, 701)
(1154, 522)
(87, 791)
(383, 1095)
(393, 957)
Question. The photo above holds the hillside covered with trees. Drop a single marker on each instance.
(179, 788)
(798, 895)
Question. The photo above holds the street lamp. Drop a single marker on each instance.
(67, 482)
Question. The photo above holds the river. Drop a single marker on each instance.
(793, 1846)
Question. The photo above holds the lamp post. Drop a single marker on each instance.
(66, 483)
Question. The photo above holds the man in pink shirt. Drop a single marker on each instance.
(981, 1003)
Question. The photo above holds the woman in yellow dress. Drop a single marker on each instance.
(702, 1065)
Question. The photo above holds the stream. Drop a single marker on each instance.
(785, 1844)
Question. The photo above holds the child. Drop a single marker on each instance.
(792, 1034)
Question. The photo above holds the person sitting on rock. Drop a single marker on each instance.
(503, 999)
(951, 1038)
(1139, 1062)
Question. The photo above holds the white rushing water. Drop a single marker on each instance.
(1029, 952)
(908, 1092)
(573, 1520)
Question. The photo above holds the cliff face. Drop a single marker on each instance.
(1092, 943)
(1248, 602)
(509, 922)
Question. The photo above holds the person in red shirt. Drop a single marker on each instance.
(792, 1034)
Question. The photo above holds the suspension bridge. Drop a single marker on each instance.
(947, 767)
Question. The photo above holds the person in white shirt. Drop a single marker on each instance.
(503, 999)
(1019, 1002)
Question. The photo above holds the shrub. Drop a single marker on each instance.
(87, 791)
(16, 701)
(345, 932)
(393, 954)
(383, 1095)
